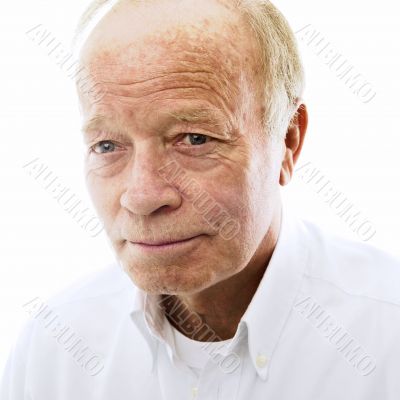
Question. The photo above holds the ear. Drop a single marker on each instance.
(293, 143)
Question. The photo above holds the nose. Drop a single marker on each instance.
(146, 191)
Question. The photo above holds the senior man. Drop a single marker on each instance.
(219, 293)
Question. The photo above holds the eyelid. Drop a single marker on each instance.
(106, 136)
(184, 134)
(198, 150)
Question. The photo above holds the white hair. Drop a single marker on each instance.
(280, 62)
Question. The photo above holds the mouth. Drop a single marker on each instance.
(165, 245)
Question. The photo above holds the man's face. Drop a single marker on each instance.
(180, 120)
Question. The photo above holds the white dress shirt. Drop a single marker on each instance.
(324, 324)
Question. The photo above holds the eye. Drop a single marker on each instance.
(104, 146)
(197, 139)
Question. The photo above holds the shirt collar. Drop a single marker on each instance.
(273, 300)
(267, 312)
(149, 319)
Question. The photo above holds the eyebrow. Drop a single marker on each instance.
(196, 115)
(94, 123)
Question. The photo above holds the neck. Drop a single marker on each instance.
(213, 314)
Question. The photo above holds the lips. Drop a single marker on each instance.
(163, 242)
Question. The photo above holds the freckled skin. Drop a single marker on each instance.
(197, 54)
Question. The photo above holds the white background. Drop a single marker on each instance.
(354, 145)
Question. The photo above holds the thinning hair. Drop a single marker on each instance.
(280, 61)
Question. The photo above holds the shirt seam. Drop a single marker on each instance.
(352, 294)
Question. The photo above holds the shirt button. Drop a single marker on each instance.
(261, 361)
(195, 390)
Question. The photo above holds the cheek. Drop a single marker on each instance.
(105, 195)
(225, 203)
(107, 166)
(238, 232)
(251, 195)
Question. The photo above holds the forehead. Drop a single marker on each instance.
(168, 34)
(137, 20)
(188, 51)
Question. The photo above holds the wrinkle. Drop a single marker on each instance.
(222, 100)
(156, 77)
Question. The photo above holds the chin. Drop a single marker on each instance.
(168, 279)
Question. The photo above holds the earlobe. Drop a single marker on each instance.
(285, 176)
(294, 142)
(300, 123)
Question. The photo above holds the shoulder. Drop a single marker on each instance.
(75, 333)
(76, 322)
(106, 282)
(108, 292)
(356, 268)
